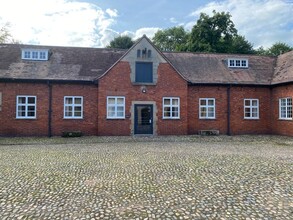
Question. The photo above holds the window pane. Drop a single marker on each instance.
(120, 114)
(167, 101)
(31, 100)
(254, 102)
(203, 112)
(120, 101)
(210, 102)
(247, 102)
(21, 100)
(175, 101)
(111, 100)
(77, 101)
(77, 114)
(35, 55)
(237, 62)
(202, 102)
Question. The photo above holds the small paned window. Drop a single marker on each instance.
(238, 63)
(115, 107)
(285, 108)
(73, 107)
(26, 107)
(144, 72)
(34, 54)
(149, 53)
(138, 53)
(207, 108)
(251, 109)
(171, 108)
(27, 54)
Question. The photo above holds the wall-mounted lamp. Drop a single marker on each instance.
(143, 89)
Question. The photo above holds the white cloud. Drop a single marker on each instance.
(149, 32)
(58, 22)
(112, 13)
(262, 22)
(173, 20)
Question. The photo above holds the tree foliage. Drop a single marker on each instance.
(275, 50)
(121, 42)
(212, 34)
(171, 39)
(4, 34)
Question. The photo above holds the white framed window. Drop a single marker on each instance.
(207, 108)
(243, 63)
(26, 107)
(115, 107)
(251, 109)
(34, 54)
(171, 108)
(73, 107)
(285, 108)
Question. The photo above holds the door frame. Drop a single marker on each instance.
(154, 116)
(136, 118)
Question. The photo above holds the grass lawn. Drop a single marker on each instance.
(189, 177)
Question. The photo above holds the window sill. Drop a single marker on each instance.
(207, 118)
(115, 118)
(26, 118)
(251, 118)
(285, 119)
(143, 84)
(73, 118)
(171, 118)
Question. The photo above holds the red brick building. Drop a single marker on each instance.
(45, 91)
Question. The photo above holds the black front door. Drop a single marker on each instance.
(143, 117)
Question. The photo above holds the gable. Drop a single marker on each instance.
(140, 53)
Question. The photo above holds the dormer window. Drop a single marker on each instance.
(238, 63)
(34, 54)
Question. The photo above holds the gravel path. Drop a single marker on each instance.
(189, 177)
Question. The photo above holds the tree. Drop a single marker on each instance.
(212, 34)
(279, 48)
(275, 50)
(121, 42)
(241, 45)
(171, 39)
(4, 34)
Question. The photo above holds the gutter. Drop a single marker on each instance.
(45, 81)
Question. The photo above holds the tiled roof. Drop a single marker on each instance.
(87, 64)
(65, 63)
(213, 68)
(284, 68)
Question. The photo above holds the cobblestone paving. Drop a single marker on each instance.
(147, 178)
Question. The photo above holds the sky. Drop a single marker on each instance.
(94, 23)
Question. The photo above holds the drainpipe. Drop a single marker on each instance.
(228, 110)
(50, 110)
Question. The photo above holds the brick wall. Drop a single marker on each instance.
(117, 83)
(220, 122)
(87, 125)
(238, 125)
(279, 126)
(10, 126)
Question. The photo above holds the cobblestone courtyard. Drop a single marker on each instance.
(189, 177)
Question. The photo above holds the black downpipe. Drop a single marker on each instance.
(50, 110)
(228, 110)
